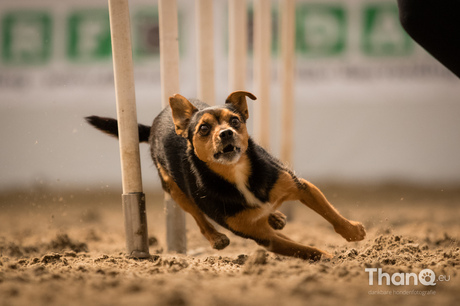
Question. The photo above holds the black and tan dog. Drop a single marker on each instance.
(211, 167)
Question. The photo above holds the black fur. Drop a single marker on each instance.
(110, 126)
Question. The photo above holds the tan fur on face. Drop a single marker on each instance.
(204, 146)
(207, 146)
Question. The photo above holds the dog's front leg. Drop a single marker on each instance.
(218, 240)
(277, 220)
(311, 196)
(300, 189)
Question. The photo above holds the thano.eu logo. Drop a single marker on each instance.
(425, 277)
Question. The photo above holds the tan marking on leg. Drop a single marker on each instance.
(283, 190)
(218, 240)
(287, 189)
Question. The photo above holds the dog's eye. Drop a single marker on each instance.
(204, 129)
(235, 122)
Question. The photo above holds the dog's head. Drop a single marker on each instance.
(217, 134)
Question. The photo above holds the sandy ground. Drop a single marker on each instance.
(67, 248)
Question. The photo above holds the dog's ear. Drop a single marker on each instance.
(182, 112)
(238, 100)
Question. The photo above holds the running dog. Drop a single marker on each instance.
(212, 168)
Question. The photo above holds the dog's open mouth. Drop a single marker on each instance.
(229, 150)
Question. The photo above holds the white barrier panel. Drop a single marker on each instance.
(370, 105)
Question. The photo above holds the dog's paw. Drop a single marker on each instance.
(277, 220)
(220, 242)
(352, 231)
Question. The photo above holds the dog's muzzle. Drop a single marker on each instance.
(228, 151)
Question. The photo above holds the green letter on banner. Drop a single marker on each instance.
(89, 35)
(26, 37)
(320, 29)
(382, 32)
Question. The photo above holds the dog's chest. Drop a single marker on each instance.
(241, 183)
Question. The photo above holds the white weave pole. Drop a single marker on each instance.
(287, 38)
(238, 42)
(205, 50)
(133, 197)
(176, 239)
(262, 71)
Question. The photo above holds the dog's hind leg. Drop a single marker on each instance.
(290, 188)
(249, 224)
(283, 245)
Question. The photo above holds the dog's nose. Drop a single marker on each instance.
(226, 134)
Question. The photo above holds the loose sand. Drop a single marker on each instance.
(67, 248)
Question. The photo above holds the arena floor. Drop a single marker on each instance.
(67, 248)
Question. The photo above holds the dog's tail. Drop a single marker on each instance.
(110, 127)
